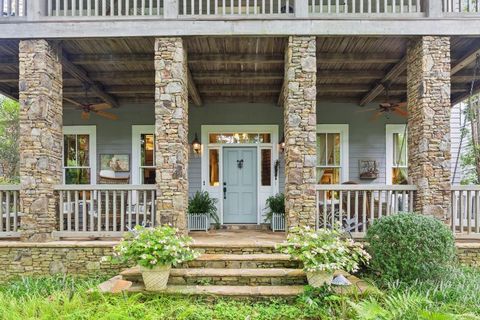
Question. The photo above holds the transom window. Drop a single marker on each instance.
(332, 154)
(239, 138)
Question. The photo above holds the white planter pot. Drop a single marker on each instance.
(319, 278)
(198, 222)
(278, 222)
(155, 279)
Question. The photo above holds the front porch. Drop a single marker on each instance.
(285, 108)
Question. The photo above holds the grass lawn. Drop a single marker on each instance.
(457, 296)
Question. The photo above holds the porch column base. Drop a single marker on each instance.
(428, 90)
(300, 121)
(40, 89)
(171, 132)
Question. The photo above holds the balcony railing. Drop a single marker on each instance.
(465, 218)
(356, 207)
(100, 211)
(9, 211)
(52, 10)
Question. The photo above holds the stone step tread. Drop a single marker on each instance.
(219, 272)
(238, 291)
(244, 257)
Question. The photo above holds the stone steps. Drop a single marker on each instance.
(230, 291)
(248, 261)
(216, 276)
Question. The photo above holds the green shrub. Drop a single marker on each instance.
(201, 202)
(409, 246)
(275, 204)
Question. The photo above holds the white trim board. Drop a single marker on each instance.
(217, 191)
(92, 132)
(342, 129)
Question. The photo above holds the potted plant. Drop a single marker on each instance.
(155, 250)
(201, 210)
(323, 252)
(276, 212)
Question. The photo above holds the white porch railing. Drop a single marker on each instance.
(356, 207)
(465, 217)
(461, 6)
(104, 8)
(359, 7)
(9, 211)
(236, 7)
(104, 210)
(13, 8)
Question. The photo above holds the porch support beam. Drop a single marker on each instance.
(193, 91)
(389, 77)
(300, 131)
(428, 92)
(82, 75)
(171, 131)
(41, 137)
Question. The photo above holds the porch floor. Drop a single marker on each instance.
(237, 238)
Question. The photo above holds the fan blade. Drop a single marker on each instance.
(376, 116)
(385, 105)
(107, 115)
(366, 110)
(85, 115)
(400, 112)
(100, 106)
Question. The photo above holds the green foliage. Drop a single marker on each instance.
(325, 250)
(275, 204)
(9, 140)
(409, 246)
(201, 202)
(150, 247)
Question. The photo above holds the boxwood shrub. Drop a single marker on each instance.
(409, 246)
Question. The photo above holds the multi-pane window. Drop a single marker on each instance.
(399, 163)
(77, 167)
(214, 167)
(266, 167)
(147, 159)
(329, 158)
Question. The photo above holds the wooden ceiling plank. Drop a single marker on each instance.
(193, 91)
(466, 60)
(389, 77)
(82, 75)
(9, 78)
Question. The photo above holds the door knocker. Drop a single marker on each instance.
(240, 164)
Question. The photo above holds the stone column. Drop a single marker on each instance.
(428, 91)
(171, 131)
(300, 121)
(40, 90)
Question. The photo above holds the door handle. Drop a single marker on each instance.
(224, 191)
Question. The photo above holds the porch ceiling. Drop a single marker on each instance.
(239, 69)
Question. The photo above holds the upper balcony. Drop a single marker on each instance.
(90, 18)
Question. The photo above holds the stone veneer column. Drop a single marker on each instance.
(428, 90)
(300, 121)
(40, 90)
(171, 131)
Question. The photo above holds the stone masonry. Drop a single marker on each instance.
(428, 91)
(300, 121)
(40, 89)
(171, 131)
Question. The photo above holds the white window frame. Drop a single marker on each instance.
(341, 129)
(91, 131)
(137, 131)
(390, 130)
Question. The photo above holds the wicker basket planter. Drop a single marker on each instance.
(319, 278)
(155, 279)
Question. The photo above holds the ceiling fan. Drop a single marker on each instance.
(387, 107)
(96, 108)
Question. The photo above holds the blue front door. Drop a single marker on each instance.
(240, 185)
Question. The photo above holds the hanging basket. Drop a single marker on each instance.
(155, 279)
(317, 279)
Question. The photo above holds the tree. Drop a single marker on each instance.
(9, 140)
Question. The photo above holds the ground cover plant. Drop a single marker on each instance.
(455, 296)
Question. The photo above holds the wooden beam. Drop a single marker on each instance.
(348, 58)
(236, 58)
(457, 98)
(9, 62)
(389, 77)
(147, 75)
(323, 74)
(115, 89)
(466, 60)
(281, 96)
(8, 92)
(80, 74)
(113, 58)
(9, 78)
(192, 90)
(228, 75)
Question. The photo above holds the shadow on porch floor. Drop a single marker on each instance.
(237, 238)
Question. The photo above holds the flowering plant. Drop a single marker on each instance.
(325, 250)
(150, 247)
